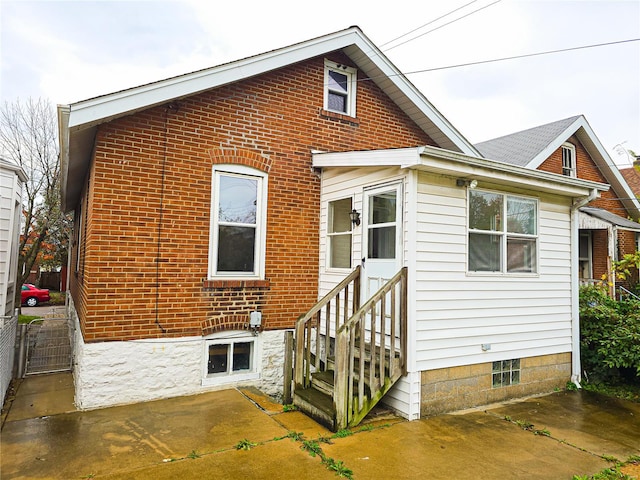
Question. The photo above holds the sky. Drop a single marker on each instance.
(68, 51)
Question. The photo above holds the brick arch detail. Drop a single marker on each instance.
(240, 156)
(223, 323)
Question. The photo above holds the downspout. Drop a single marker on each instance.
(575, 280)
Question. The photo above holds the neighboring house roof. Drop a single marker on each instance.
(612, 218)
(632, 176)
(530, 148)
(78, 121)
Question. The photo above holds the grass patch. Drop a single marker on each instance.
(630, 392)
(27, 318)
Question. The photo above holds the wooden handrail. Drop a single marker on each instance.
(314, 318)
(370, 345)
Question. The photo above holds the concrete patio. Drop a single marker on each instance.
(554, 436)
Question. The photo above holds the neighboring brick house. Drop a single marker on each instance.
(214, 208)
(632, 176)
(608, 227)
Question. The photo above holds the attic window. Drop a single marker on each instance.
(568, 160)
(340, 88)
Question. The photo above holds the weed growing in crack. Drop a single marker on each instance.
(312, 447)
(345, 432)
(245, 444)
(193, 455)
(290, 407)
(338, 467)
(544, 432)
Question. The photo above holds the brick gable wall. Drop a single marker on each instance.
(145, 265)
(588, 170)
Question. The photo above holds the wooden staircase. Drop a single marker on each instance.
(347, 356)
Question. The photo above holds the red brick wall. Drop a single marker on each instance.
(271, 122)
(587, 170)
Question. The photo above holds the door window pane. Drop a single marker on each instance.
(382, 242)
(382, 208)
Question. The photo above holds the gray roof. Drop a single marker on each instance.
(611, 218)
(521, 148)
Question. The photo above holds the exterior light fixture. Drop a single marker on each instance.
(463, 182)
(355, 217)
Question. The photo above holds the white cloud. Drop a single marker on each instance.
(71, 50)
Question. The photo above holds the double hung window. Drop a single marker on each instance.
(569, 160)
(340, 88)
(503, 233)
(339, 234)
(237, 222)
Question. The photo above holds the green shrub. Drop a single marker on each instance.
(609, 336)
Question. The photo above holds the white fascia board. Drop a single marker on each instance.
(367, 158)
(63, 141)
(454, 164)
(98, 110)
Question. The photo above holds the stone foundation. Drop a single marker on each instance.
(117, 373)
(457, 388)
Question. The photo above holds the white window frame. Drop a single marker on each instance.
(261, 222)
(569, 166)
(331, 235)
(352, 76)
(504, 235)
(231, 338)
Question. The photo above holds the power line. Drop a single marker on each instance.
(441, 26)
(527, 55)
(428, 23)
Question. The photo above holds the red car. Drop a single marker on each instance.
(32, 295)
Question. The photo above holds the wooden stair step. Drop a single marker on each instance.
(317, 405)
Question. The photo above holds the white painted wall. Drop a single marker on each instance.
(457, 312)
(452, 312)
(117, 373)
(10, 209)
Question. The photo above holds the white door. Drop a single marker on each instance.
(382, 237)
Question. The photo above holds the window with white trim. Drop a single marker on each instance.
(340, 88)
(339, 233)
(238, 219)
(569, 160)
(503, 233)
(230, 359)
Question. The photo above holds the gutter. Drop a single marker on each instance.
(575, 293)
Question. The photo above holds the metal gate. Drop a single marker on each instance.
(49, 346)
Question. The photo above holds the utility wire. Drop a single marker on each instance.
(441, 26)
(527, 55)
(428, 23)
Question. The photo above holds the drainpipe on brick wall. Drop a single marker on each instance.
(575, 281)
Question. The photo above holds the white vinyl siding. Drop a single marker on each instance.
(458, 312)
(453, 312)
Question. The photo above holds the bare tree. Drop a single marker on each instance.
(29, 137)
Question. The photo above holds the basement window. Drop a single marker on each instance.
(505, 373)
(230, 360)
